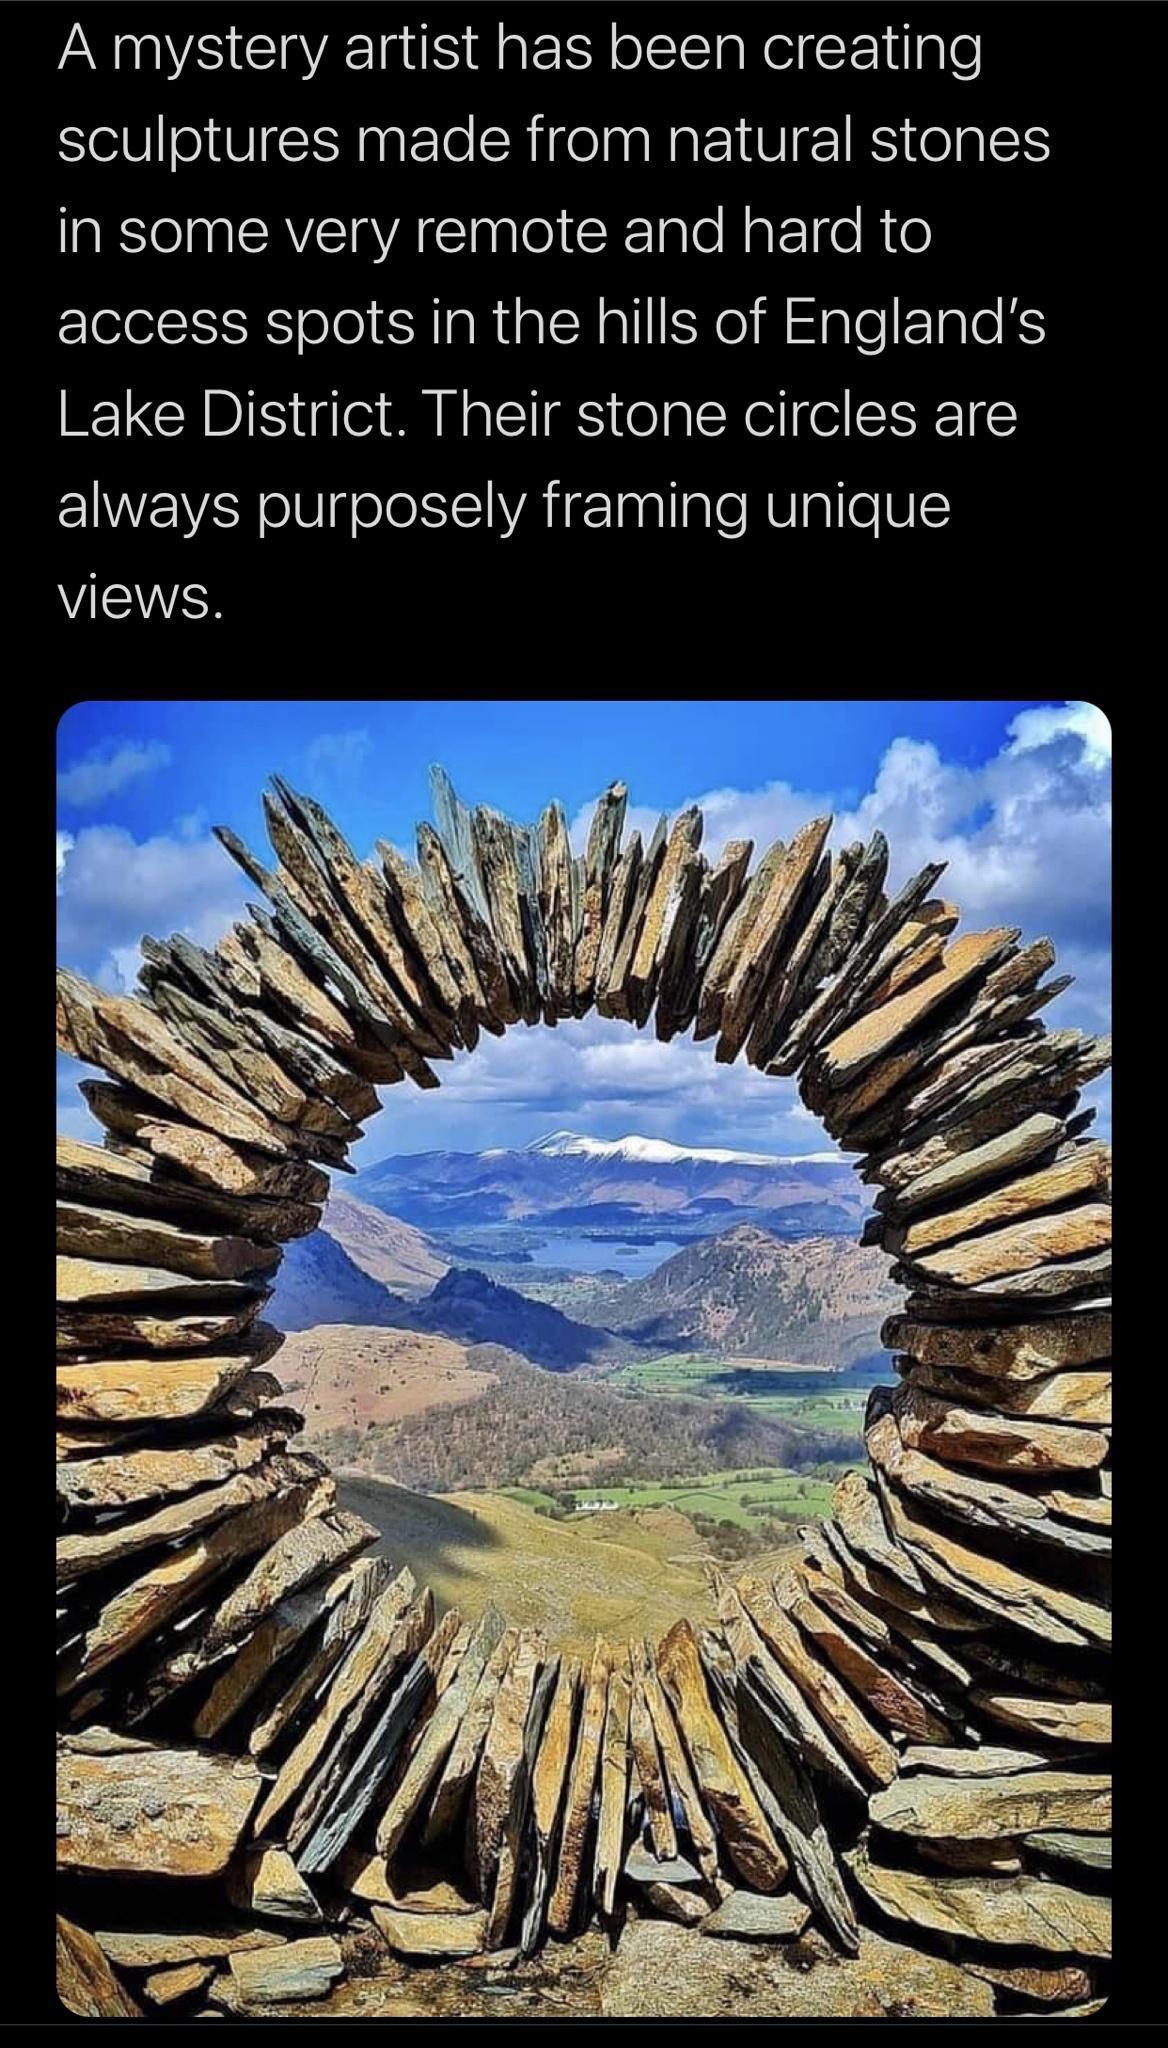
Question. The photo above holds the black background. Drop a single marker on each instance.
(1045, 556)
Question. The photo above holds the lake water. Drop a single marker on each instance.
(593, 1254)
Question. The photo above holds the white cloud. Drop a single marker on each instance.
(596, 1074)
(337, 754)
(113, 888)
(1051, 721)
(64, 849)
(107, 770)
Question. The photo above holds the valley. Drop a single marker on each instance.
(595, 1407)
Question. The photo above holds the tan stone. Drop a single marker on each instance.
(550, 1775)
(600, 860)
(132, 1948)
(1001, 1154)
(145, 1473)
(1017, 1912)
(1021, 1246)
(738, 1817)
(418, 1888)
(975, 1499)
(283, 1697)
(875, 1031)
(173, 1326)
(582, 1778)
(868, 1599)
(614, 1780)
(1083, 1397)
(133, 1043)
(382, 1654)
(439, 1735)
(139, 1610)
(688, 1907)
(762, 944)
(1087, 1169)
(470, 949)
(90, 1233)
(502, 1759)
(271, 1640)
(324, 1538)
(364, 938)
(613, 988)
(996, 1588)
(96, 1177)
(1047, 1985)
(977, 1436)
(85, 1983)
(250, 956)
(447, 968)
(696, 935)
(298, 1969)
(986, 1761)
(85, 1283)
(733, 941)
(986, 1808)
(170, 1987)
(920, 952)
(662, 908)
(679, 1779)
(267, 1882)
(345, 1692)
(92, 1550)
(619, 911)
(845, 895)
(864, 1746)
(441, 1936)
(461, 1763)
(643, 1743)
(739, 1608)
(126, 1805)
(661, 1972)
(1016, 1351)
(746, 1916)
(1086, 1721)
(207, 1161)
(887, 1695)
(1092, 1508)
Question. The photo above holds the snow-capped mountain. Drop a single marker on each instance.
(659, 1151)
(569, 1179)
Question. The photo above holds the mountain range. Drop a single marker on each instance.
(568, 1179)
(744, 1293)
(333, 1278)
(819, 1301)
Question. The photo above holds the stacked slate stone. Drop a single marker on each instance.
(907, 1725)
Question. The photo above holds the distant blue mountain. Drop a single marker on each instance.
(567, 1180)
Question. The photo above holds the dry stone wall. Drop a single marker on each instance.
(908, 1727)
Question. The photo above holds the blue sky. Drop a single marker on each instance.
(1014, 794)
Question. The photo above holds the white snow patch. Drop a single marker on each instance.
(659, 1152)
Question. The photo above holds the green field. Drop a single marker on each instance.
(790, 1393)
(746, 1498)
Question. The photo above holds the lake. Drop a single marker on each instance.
(594, 1255)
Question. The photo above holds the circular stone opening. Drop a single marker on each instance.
(899, 1735)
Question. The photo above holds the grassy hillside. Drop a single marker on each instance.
(383, 1246)
(346, 1378)
(571, 1579)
